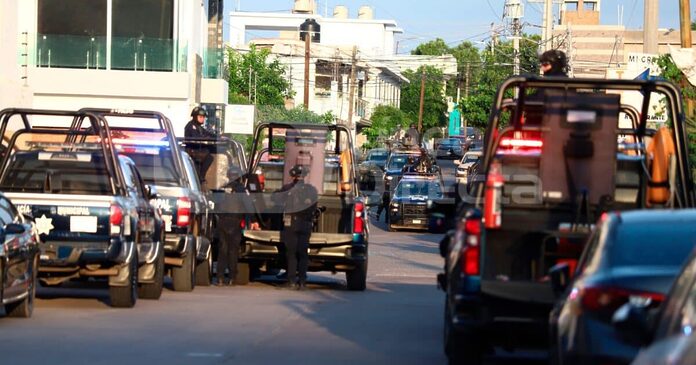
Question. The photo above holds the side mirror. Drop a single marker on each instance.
(560, 278)
(456, 162)
(15, 228)
(151, 192)
(632, 324)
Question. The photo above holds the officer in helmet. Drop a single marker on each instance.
(195, 129)
(233, 211)
(554, 63)
(298, 217)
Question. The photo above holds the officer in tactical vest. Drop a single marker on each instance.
(298, 215)
(235, 207)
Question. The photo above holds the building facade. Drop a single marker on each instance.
(145, 54)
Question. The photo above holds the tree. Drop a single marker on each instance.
(384, 119)
(268, 83)
(496, 66)
(434, 106)
(437, 47)
(670, 72)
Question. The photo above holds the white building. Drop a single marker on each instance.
(145, 54)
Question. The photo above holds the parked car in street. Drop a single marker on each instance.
(666, 333)
(631, 256)
(19, 260)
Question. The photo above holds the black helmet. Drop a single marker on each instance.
(234, 173)
(299, 171)
(558, 61)
(198, 111)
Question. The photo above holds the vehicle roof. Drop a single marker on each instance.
(648, 216)
(420, 176)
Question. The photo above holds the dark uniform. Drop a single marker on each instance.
(384, 206)
(298, 215)
(200, 154)
(235, 206)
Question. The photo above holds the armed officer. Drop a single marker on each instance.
(298, 215)
(236, 206)
(195, 129)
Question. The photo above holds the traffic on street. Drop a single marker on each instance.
(185, 184)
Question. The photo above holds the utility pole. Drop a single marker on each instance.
(351, 93)
(650, 27)
(307, 40)
(548, 25)
(685, 23)
(569, 49)
(420, 109)
(516, 46)
(466, 96)
(515, 11)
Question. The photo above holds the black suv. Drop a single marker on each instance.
(90, 206)
(409, 204)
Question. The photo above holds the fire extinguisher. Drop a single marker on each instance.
(492, 204)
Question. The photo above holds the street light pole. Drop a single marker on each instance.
(306, 71)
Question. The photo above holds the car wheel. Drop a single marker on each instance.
(154, 290)
(183, 277)
(356, 279)
(204, 271)
(126, 296)
(459, 350)
(25, 307)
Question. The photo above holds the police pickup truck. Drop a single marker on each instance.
(339, 241)
(553, 165)
(90, 206)
(409, 204)
(148, 138)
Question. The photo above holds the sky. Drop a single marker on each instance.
(459, 20)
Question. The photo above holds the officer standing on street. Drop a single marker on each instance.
(195, 129)
(298, 216)
(236, 207)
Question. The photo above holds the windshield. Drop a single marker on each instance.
(377, 156)
(410, 188)
(397, 162)
(151, 152)
(470, 159)
(449, 142)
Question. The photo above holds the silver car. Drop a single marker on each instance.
(463, 165)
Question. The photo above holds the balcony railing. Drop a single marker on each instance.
(138, 54)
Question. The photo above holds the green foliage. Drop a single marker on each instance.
(434, 106)
(436, 47)
(670, 71)
(496, 66)
(270, 113)
(268, 77)
(385, 119)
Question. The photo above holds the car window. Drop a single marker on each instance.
(128, 176)
(635, 244)
(192, 176)
(397, 162)
(431, 189)
(7, 214)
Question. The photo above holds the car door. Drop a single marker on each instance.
(16, 274)
(136, 193)
(196, 194)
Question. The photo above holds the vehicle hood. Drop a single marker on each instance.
(416, 199)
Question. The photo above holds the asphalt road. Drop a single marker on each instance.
(397, 320)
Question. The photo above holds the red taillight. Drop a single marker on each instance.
(471, 249)
(242, 224)
(359, 222)
(183, 212)
(115, 219)
(608, 300)
(521, 142)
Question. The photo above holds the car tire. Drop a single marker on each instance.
(243, 274)
(184, 276)
(204, 271)
(25, 307)
(154, 290)
(356, 279)
(126, 296)
(459, 349)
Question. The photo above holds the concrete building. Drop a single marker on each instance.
(378, 69)
(149, 54)
(596, 50)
